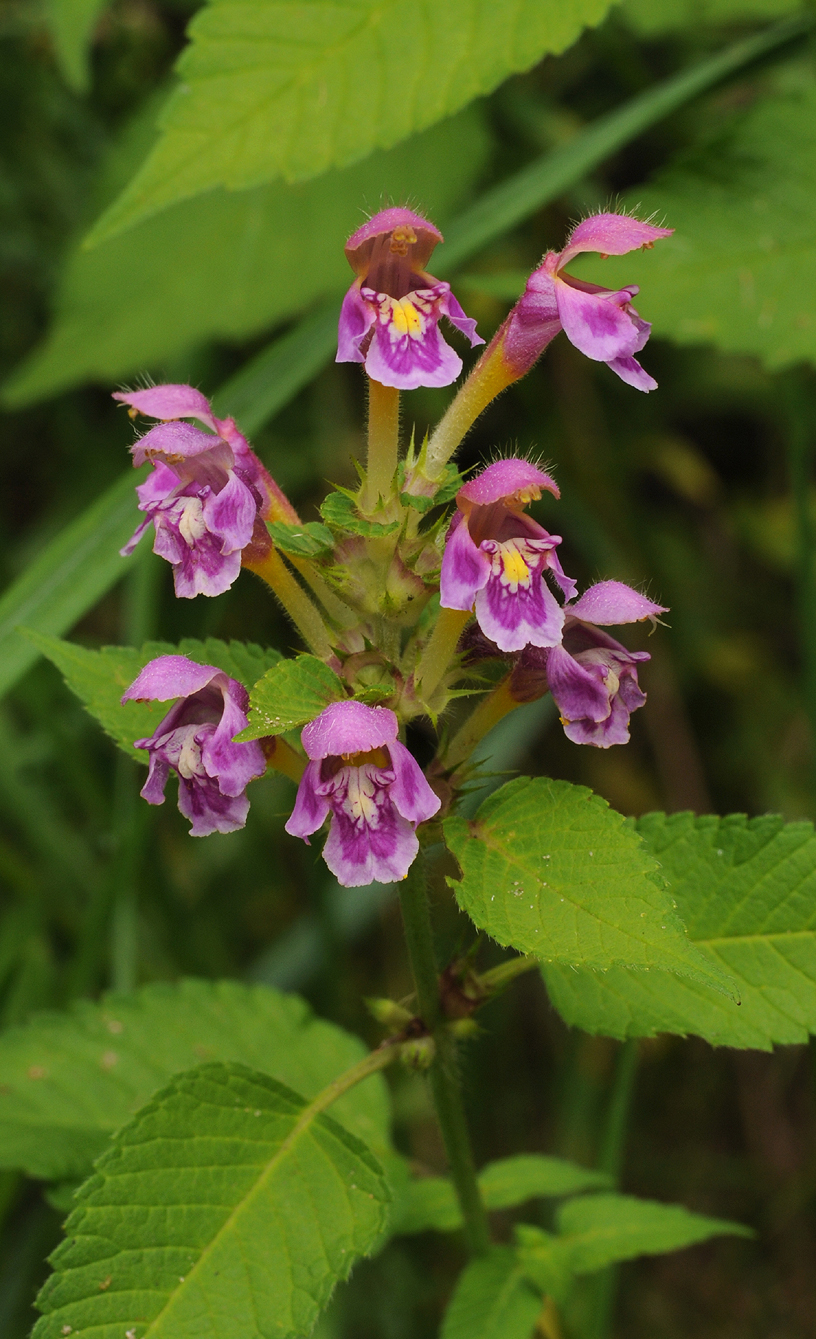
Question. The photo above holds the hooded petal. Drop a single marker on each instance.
(349, 727)
(311, 805)
(358, 854)
(612, 602)
(190, 453)
(356, 319)
(611, 235)
(515, 618)
(360, 245)
(505, 480)
(167, 677)
(168, 402)
(596, 323)
(409, 790)
(465, 568)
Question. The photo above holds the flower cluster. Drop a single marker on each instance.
(208, 499)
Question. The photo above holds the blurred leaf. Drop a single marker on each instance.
(740, 270)
(493, 1300)
(68, 576)
(601, 902)
(67, 1081)
(423, 1203)
(599, 1230)
(271, 88)
(746, 889)
(72, 23)
(291, 693)
(99, 678)
(227, 1202)
(229, 264)
(649, 17)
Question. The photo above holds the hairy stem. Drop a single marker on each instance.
(445, 1087)
(489, 378)
(338, 611)
(489, 712)
(383, 440)
(273, 570)
(439, 650)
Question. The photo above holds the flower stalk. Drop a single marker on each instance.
(439, 650)
(492, 708)
(271, 568)
(491, 375)
(383, 442)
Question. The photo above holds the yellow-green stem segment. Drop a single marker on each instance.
(383, 442)
(489, 712)
(439, 651)
(273, 570)
(489, 378)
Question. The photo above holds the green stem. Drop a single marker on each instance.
(439, 651)
(445, 1087)
(500, 977)
(489, 378)
(610, 1159)
(492, 708)
(273, 570)
(383, 442)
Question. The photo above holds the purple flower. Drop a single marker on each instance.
(196, 739)
(593, 678)
(496, 558)
(389, 319)
(208, 495)
(601, 322)
(376, 794)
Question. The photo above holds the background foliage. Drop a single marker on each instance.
(224, 267)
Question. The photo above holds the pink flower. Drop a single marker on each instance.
(196, 741)
(496, 558)
(389, 319)
(376, 794)
(208, 494)
(601, 322)
(592, 677)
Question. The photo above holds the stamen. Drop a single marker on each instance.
(402, 239)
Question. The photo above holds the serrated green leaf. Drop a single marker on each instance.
(228, 1207)
(99, 678)
(291, 693)
(232, 264)
(272, 88)
(492, 1300)
(746, 889)
(548, 868)
(67, 1081)
(740, 270)
(339, 511)
(429, 1202)
(305, 541)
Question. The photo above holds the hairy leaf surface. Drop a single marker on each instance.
(227, 1207)
(99, 678)
(746, 889)
(274, 88)
(740, 270)
(550, 869)
(291, 693)
(492, 1300)
(67, 1081)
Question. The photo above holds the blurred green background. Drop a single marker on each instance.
(701, 492)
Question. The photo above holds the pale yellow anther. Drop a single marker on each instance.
(401, 239)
